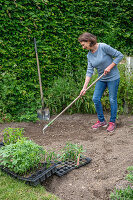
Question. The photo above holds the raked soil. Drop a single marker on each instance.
(111, 154)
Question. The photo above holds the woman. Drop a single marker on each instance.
(105, 59)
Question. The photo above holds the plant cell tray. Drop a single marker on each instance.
(1, 144)
(67, 166)
(36, 178)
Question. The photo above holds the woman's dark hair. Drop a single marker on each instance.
(85, 37)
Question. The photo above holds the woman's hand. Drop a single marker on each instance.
(108, 69)
(82, 92)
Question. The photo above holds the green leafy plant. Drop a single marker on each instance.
(127, 193)
(129, 177)
(56, 28)
(71, 152)
(22, 156)
(12, 135)
(51, 157)
(5, 117)
(64, 91)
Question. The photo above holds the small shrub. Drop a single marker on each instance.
(5, 117)
(64, 91)
(12, 135)
(61, 93)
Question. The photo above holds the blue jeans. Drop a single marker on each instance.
(99, 89)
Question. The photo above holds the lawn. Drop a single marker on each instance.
(12, 189)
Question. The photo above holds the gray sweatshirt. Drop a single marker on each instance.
(101, 59)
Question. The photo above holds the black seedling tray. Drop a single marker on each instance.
(1, 144)
(36, 178)
(67, 166)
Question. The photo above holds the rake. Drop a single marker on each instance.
(46, 126)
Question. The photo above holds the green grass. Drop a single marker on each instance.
(12, 189)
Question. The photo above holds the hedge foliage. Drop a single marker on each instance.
(65, 90)
(56, 26)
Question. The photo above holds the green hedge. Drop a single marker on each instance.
(59, 95)
(56, 26)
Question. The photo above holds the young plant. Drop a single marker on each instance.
(72, 152)
(22, 156)
(12, 135)
(51, 157)
(126, 193)
(129, 177)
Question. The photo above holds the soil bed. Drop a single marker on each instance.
(111, 154)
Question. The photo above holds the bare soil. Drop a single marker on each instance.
(111, 154)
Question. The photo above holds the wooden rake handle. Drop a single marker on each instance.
(72, 103)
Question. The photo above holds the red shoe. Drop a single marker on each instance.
(99, 124)
(111, 127)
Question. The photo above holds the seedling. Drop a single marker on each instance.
(72, 152)
(12, 135)
(51, 157)
(23, 156)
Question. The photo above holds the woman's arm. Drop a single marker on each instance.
(87, 80)
(114, 53)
